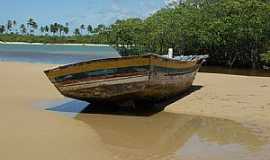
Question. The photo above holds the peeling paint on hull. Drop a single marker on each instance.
(149, 77)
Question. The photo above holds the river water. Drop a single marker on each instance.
(54, 54)
(65, 54)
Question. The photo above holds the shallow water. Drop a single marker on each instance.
(164, 135)
(64, 54)
(54, 54)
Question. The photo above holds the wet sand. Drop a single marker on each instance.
(28, 133)
(227, 117)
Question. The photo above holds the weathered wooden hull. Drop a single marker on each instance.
(148, 77)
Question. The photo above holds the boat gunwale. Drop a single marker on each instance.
(114, 58)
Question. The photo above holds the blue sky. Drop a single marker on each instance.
(76, 12)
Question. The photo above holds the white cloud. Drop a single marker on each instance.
(118, 9)
(173, 2)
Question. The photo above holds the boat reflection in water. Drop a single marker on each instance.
(172, 136)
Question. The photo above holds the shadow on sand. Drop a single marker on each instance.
(144, 109)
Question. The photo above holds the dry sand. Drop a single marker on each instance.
(29, 133)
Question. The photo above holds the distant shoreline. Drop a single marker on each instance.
(60, 44)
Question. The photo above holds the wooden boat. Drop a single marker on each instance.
(140, 78)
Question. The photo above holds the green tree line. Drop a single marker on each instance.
(235, 33)
(232, 32)
(31, 27)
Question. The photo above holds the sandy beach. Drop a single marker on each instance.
(29, 132)
(240, 98)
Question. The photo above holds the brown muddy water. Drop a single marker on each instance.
(155, 134)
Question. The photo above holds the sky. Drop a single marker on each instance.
(77, 12)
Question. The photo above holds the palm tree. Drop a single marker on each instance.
(42, 29)
(66, 30)
(77, 32)
(61, 29)
(23, 29)
(9, 25)
(35, 26)
(82, 27)
(14, 23)
(32, 25)
(29, 23)
(47, 29)
(54, 28)
(100, 28)
(2, 29)
(89, 29)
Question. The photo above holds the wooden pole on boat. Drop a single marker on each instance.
(170, 53)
